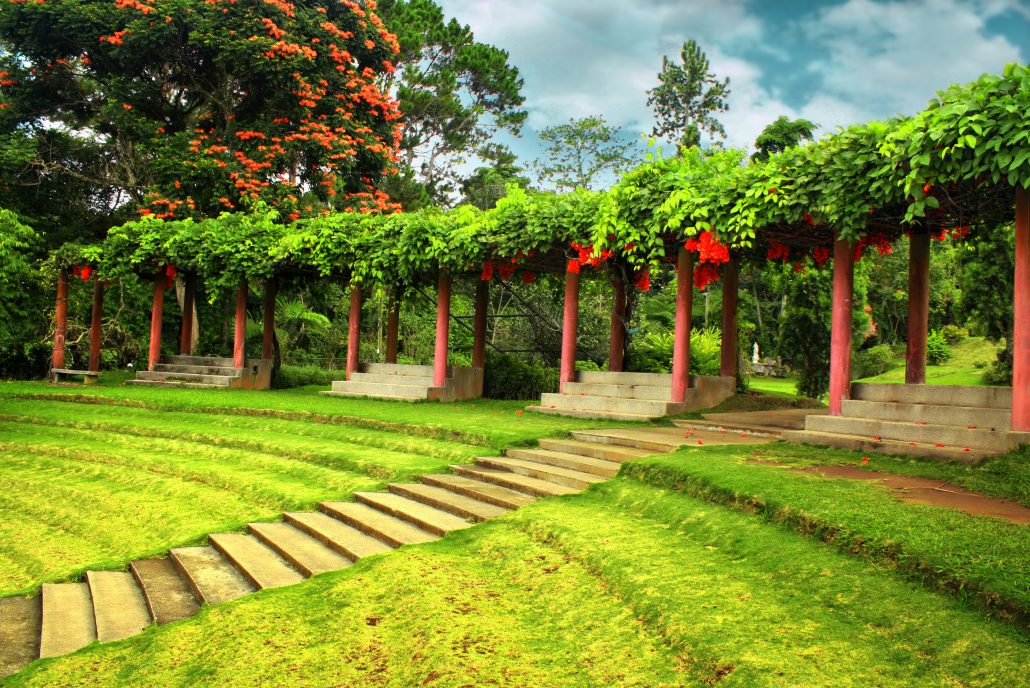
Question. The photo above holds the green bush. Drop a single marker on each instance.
(875, 360)
(937, 349)
(507, 377)
(587, 366)
(298, 376)
(953, 334)
(652, 352)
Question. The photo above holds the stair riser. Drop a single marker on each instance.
(529, 455)
(440, 504)
(472, 493)
(984, 397)
(402, 515)
(957, 437)
(239, 565)
(197, 370)
(605, 404)
(573, 413)
(594, 451)
(539, 474)
(337, 547)
(646, 392)
(372, 389)
(366, 528)
(999, 419)
(384, 379)
(198, 361)
(655, 447)
(500, 480)
(600, 377)
(401, 370)
(855, 444)
(220, 380)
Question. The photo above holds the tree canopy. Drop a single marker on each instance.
(582, 150)
(687, 97)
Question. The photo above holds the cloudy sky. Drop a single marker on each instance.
(835, 62)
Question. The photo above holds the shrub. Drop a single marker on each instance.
(953, 334)
(652, 353)
(298, 376)
(937, 349)
(507, 377)
(875, 360)
(587, 365)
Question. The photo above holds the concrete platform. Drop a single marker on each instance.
(773, 422)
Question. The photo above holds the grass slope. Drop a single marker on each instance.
(969, 359)
(625, 585)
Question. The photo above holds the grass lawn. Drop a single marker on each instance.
(624, 585)
(776, 386)
(970, 358)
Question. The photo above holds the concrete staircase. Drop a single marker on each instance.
(401, 382)
(944, 422)
(631, 396)
(205, 372)
(111, 605)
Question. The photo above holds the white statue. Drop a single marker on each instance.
(754, 354)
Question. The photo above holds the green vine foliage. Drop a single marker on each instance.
(955, 162)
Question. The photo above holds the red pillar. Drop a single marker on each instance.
(479, 324)
(570, 325)
(443, 316)
(617, 334)
(681, 338)
(94, 325)
(239, 342)
(60, 318)
(354, 330)
(730, 356)
(840, 333)
(189, 297)
(392, 323)
(268, 320)
(1021, 321)
(156, 313)
(918, 307)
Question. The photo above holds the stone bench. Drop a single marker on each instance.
(89, 377)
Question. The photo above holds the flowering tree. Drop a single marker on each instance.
(209, 106)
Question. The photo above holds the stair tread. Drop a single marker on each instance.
(540, 467)
(902, 446)
(119, 608)
(520, 482)
(382, 397)
(168, 595)
(624, 453)
(343, 538)
(584, 413)
(511, 499)
(422, 515)
(212, 576)
(442, 498)
(20, 627)
(68, 623)
(259, 563)
(302, 550)
(577, 462)
(374, 522)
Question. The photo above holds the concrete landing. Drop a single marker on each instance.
(772, 422)
(659, 440)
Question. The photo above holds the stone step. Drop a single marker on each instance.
(514, 481)
(119, 607)
(601, 377)
(578, 402)
(21, 622)
(381, 397)
(423, 516)
(576, 413)
(68, 623)
(974, 438)
(455, 503)
(378, 389)
(896, 447)
(393, 379)
(212, 577)
(542, 471)
(402, 370)
(219, 380)
(488, 492)
(597, 450)
(583, 464)
(199, 361)
(168, 594)
(304, 552)
(382, 526)
(729, 426)
(651, 392)
(260, 564)
(642, 441)
(172, 383)
(342, 538)
(939, 414)
(949, 395)
(197, 370)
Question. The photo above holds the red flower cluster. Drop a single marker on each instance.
(643, 280)
(821, 255)
(83, 272)
(708, 249)
(778, 251)
(488, 271)
(879, 240)
(586, 255)
(169, 273)
(705, 274)
(528, 277)
(506, 270)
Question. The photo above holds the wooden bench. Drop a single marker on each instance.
(89, 377)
